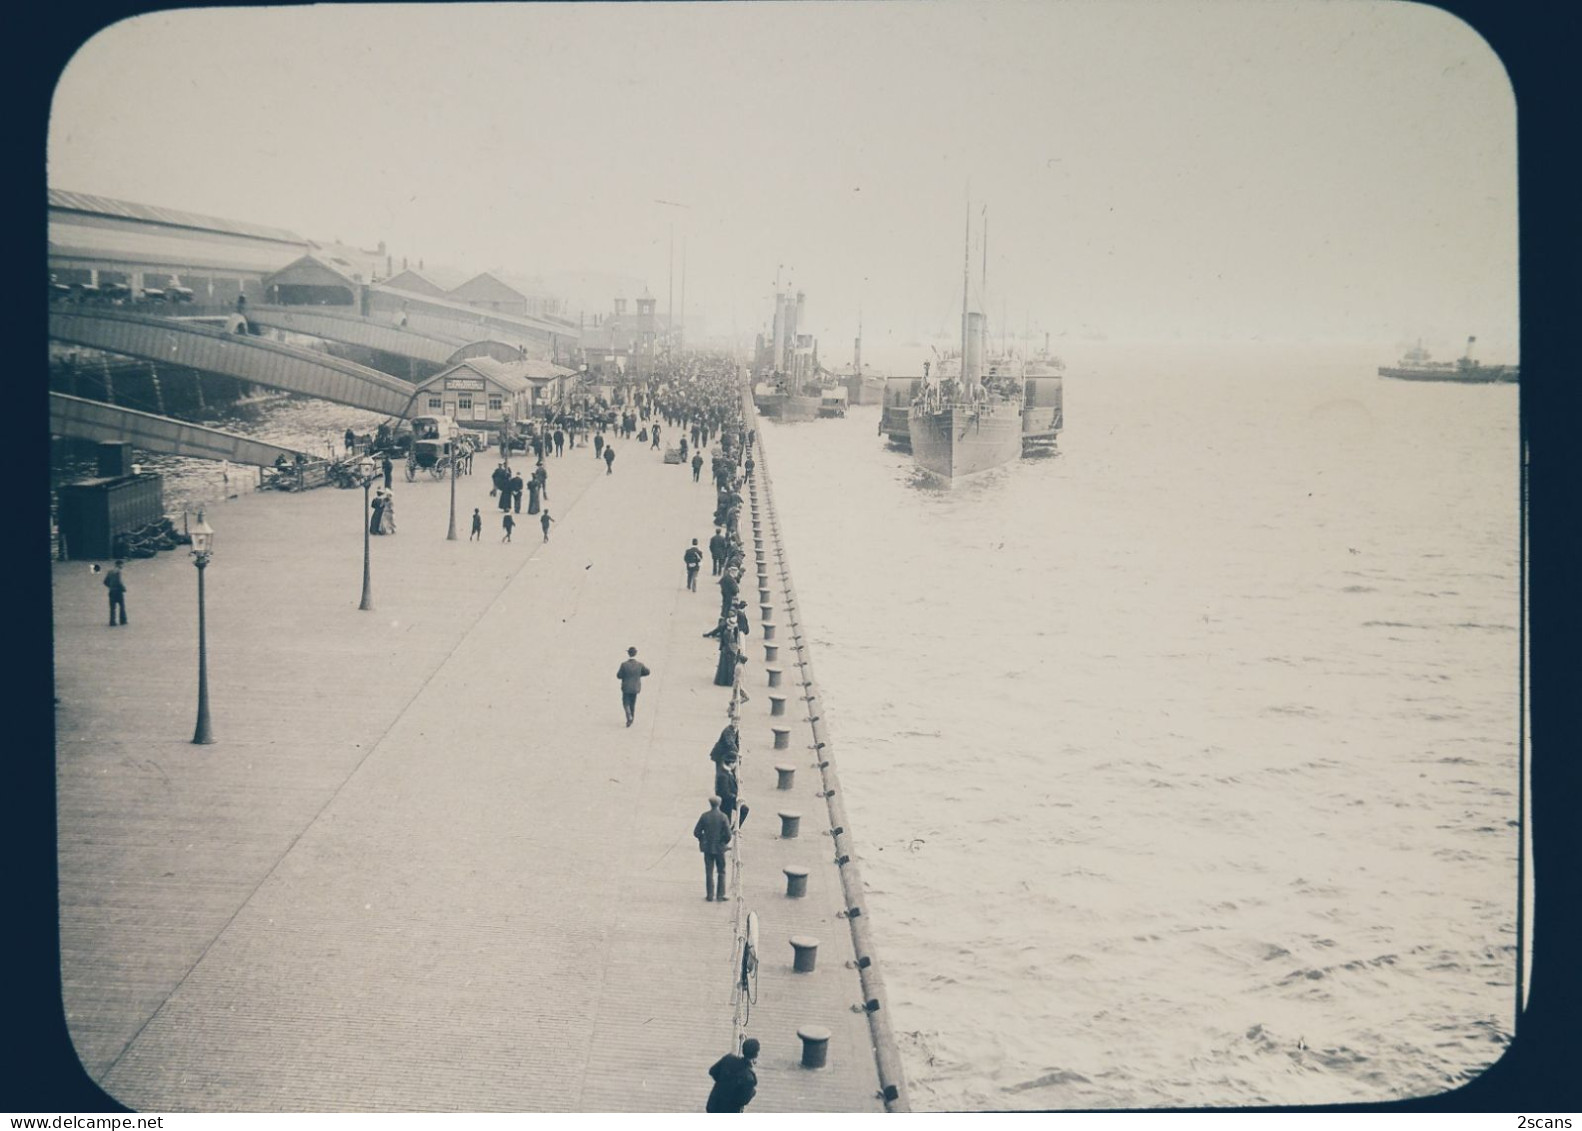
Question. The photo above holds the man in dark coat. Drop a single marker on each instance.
(694, 558)
(609, 459)
(717, 547)
(697, 466)
(631, 673)
(725, 787)
(387, 467)
(514, 486)
(735, 1082)
(117, 588)
(713, 831)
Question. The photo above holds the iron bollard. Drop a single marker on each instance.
(769, 630)
(787, 773)
(763, 595)
(777, 705)
(796, 881)
(790, 823)
(815, 1045)
(805, 948)
(774, 677)
(771, 652)
(768, 612)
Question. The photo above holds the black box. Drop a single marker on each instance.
(93, 511)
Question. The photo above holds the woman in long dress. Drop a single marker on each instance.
(387, 516)
(375, 520)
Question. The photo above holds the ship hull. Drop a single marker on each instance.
(864, 390)
(956, 441)
(1469, 375)
(778, 406)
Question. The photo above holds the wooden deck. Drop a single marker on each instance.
(425, 866)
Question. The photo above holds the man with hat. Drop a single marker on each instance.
(713, 831)
(735, 1082)
(631, 673)
(117, 587)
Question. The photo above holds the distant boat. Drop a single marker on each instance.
(1043, 406)
(861, 387)
(1416, 365)
(786, 365)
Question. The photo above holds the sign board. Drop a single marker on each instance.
(465, 384)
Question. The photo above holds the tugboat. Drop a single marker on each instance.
(1416, 365)
(967, 423)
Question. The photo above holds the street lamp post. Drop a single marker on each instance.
(455, 452)
(365, 472)
(202, 547)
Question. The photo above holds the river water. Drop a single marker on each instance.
(1182, 763)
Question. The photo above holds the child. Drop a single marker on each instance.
(509, 523)
(477, 526)
(544, 521)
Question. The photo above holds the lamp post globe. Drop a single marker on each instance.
(202, 547)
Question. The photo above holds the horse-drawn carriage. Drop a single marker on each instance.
(437, 446)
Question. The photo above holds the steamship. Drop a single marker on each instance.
(1417, 366)
(786, 364)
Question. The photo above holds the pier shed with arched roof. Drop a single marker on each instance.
(310, 281)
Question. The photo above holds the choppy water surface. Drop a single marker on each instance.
(304, 423)
(1182, 763)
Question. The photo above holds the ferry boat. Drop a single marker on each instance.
(1416, 365)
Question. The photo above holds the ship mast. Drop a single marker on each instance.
(966, 273)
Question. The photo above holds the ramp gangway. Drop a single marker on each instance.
(245, 357)
(81, 419)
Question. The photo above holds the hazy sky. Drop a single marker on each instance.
(1290, 170)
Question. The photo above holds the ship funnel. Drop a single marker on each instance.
(779, 333)
(972, 363)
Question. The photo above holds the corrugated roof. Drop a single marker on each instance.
(486, 287)
(149, 214)
(310, 270)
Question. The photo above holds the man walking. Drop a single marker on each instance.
(697, 467)
(477, 526)
(735, 1082)
(631, 673)
(713, 831)
(514, 485)
(387, 467)
(598, 445)
(560, 442)
(717, 547)
(694, 558)
(117, 587)
(609, 460)
(544, 521)
(509, 523)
